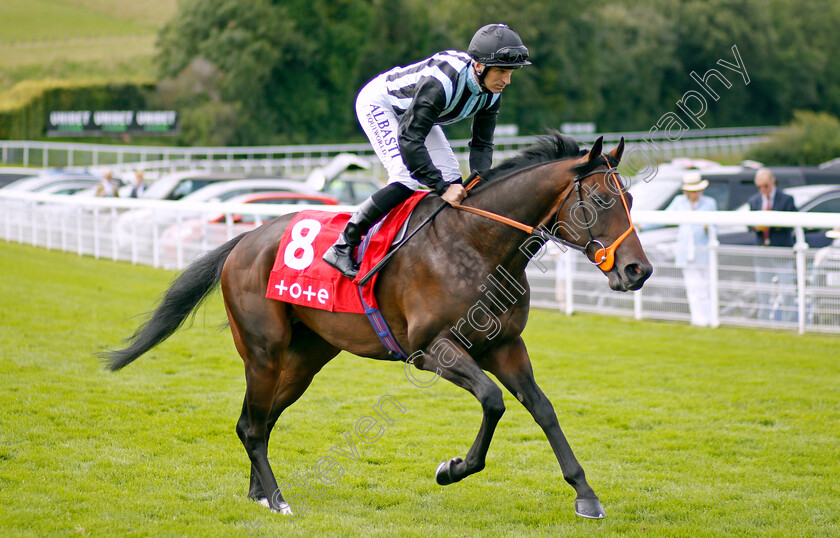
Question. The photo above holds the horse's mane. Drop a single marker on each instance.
(551, 147)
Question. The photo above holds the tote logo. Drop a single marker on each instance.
(103, 122)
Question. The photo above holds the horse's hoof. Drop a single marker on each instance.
(263, 501)
(443, 475)
(283, 509)
(589, 508)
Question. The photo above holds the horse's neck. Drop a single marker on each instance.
(527, 197)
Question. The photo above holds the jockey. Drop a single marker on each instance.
(401, 112)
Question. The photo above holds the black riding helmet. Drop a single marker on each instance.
(497, 45)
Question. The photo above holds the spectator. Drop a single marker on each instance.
(774, 272)
(769, 198)
(692, 252)
(109, 186)
(139, 186)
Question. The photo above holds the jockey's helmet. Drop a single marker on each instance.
(498, 45)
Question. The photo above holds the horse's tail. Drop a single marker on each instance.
(185, 294)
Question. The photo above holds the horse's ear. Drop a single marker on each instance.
(595, 152)
(618, 151)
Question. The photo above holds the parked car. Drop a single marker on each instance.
(730, 186)
(68, 188)
(217, 191)
(352, 190)
(222, 191)
(826, 284)
(736, 265)
(179, 184)
(49, 180)
(332, 179)
(807, 198)
(10, 174)
(199, 234)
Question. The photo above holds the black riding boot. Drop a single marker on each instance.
(340, 255)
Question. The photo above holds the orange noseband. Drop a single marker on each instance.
(605, 256)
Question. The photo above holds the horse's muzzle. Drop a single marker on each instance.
(629, 277)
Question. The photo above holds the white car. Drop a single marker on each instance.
(10, 174)
(222, 191)
(142, 221)
(806, 198)
(730, 186)
(194, 236)
(50, 181)
(658, 191)
(179, 184)
(67, 188)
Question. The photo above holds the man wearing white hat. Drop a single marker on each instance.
(692, 251)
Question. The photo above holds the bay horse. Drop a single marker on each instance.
(424, 294)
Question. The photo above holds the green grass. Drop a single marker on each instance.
(682, 431)
(76, 39)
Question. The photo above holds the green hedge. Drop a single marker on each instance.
(810, 139)
(24, 110)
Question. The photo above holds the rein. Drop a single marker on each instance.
(604, 257)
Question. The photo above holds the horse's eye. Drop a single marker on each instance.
(601, 201)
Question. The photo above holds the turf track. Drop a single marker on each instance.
(682, 431)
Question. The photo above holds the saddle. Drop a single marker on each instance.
(300, 277)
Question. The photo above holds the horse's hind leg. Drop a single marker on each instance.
(255, 489)
(512, 367)
(305, 355)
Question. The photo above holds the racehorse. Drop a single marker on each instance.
(565, 195)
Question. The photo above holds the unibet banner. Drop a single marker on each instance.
(117, 122)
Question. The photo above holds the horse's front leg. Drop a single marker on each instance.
(512, 366)
(456, 366)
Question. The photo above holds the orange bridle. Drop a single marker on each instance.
(604, 257)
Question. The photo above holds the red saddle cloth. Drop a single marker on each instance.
(301, 277)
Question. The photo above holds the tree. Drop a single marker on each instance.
(289, 70)
(285, 65)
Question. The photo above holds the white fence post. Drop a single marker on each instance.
(155, 243)
(134, 248)
(714, 287)
(637, 304)
(79, 249)
(96, 232)
(114, 249)
(34, 225)
(799, 248)
(570, 296)
(63, 233)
